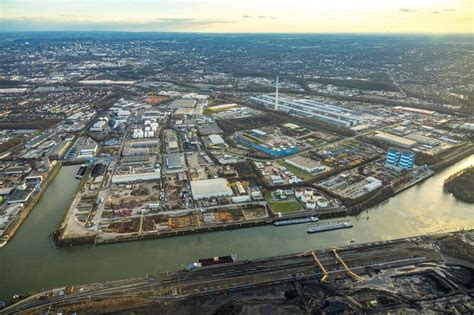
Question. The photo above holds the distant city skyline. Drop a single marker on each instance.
(299, 16)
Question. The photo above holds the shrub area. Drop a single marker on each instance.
(461, 184)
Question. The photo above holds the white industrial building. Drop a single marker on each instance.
(373, 183)
(468, 126)
(183, 103)
(331, 114)
(138, 133)
(123, 114)
(210, 188)
(216, 140)
(133, 178)
(136, 151)
(277, 180)
(395, 140)
(88, 151)
(306, 164)
(173, 161)
(99, 126)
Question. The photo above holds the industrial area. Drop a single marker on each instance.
(108, 138)
(172, 152)
(423, 274)
(176, 168)
(184, 162)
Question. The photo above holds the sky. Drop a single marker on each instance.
(248, 16)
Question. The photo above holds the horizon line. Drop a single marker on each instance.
(237, 33)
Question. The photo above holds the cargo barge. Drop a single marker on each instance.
(98, 170)
(329, 227)
(82, 170)
(295, 221)
(202, 262)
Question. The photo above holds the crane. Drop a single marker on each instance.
(325, 277)
(354, 276)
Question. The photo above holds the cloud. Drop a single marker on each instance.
(159, 24)
(444, 10)
(407, 10)
(259, 17)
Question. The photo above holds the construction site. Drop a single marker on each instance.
(414, 275)
(135, 227)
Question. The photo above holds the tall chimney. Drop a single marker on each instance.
(276, 93)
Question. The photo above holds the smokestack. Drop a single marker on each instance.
(276, 93)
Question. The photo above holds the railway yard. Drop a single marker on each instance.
(418, 274)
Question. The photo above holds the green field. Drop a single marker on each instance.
(283, 206)
(296, 171)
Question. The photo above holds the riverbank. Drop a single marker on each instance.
(93, 237)
(31, 204)
(454, 157)
(387, 192)
(101, 239)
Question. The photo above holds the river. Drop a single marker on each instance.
(30, 261)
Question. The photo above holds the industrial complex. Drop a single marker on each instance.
(331, 114)
(188, 166)
(293, 139)
(178, 168)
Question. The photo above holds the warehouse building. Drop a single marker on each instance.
(210, 188)
(174, 161)
(306, 164)
(136, 151)
(331, 114)
(216, 140)
(133, 178)
(183, 103)
(21, 194)
(100, 125)
(256, 139)
(395, 140)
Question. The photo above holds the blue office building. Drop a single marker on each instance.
(400, 160)
(393, 157)
(407, 160)
(268, 149)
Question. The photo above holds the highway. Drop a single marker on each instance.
(241, 275)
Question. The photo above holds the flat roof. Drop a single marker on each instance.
(5, 191)
(216, 139)
(415, 110)
(128, 178)
(184, 111)
(304, 161)
(20, 195)
(393, 138)
(183, 103)
(210, 187)
(173, 160)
